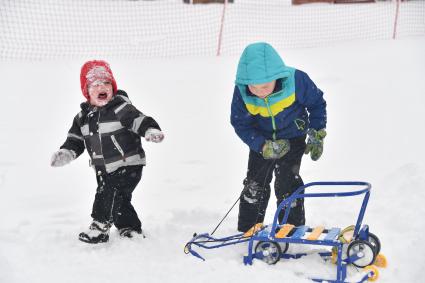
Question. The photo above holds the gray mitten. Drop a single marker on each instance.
(62, 157)
(154, 135)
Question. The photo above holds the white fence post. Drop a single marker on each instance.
(220, 35)
(396, 18)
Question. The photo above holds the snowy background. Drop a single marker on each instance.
(376, 102)
(375, 109)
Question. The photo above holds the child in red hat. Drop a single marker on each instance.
(109, 127)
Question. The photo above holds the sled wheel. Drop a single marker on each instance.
(374, 241)
(380, 261)
(285, 249)
(364, 250)
(373, 272)
(271, 251)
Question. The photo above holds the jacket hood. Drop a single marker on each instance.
(260, 63)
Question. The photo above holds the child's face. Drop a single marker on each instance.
(262, 90)
(100, 93)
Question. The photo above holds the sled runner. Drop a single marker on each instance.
(353, 245)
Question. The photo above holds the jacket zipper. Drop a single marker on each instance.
(272, 117)
(117, 145)
(100, 137)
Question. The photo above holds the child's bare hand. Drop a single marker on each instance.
(154, 135)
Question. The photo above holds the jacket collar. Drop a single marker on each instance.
(116, 100)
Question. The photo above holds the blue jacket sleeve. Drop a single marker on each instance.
(311, 97)
(244, 123)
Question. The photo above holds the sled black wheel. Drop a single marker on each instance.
(364, 250)
(270, 251)
(374, 241)
(284, 248)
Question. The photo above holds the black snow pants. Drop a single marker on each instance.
(112, 203)
(256, 193)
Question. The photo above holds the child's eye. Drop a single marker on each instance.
(99, 83)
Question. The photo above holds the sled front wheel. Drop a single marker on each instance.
(269, 252)
(361, 253)
(374, 241)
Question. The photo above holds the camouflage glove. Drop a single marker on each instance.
(275, 149)
(315, 143)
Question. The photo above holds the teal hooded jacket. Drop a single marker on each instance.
(295, 105)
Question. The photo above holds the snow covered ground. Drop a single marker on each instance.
(375, 130)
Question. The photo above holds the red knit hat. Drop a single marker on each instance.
(96, 70)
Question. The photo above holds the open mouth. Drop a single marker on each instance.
(102, 96)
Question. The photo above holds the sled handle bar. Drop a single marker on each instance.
(299, 193)
(206, 241)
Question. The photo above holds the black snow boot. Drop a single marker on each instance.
(130, 232)
(97, 233)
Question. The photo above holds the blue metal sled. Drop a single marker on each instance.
(272, 241)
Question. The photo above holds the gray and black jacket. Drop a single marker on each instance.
(111, 134)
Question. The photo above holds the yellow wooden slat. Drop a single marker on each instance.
(315, 234)
(284, 231)
(254, 229)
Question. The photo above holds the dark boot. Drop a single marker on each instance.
(97, 233)
(130, 232)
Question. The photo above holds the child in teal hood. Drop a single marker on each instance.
(274, 108)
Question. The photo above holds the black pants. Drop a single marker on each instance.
(112, 203)
(256, 193)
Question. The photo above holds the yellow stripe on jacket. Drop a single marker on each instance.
(275, 108)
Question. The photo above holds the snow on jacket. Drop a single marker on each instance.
(111, 133)
(295, 105)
